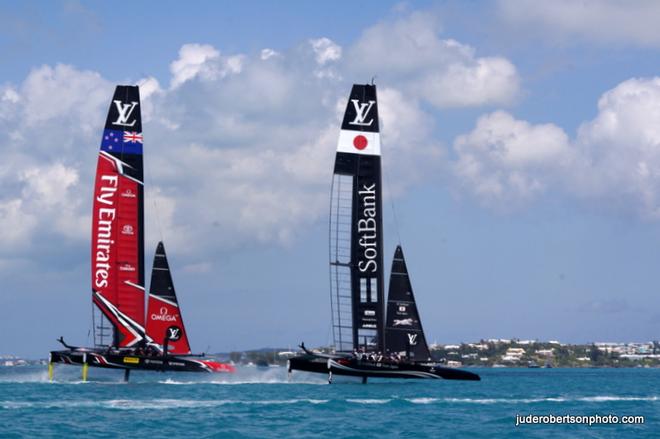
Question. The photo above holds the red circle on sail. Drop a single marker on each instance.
(360, 142)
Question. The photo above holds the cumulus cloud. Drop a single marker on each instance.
(411, 152)
(16, 224)
(45, 204)
(326, 50)
(444, 72)
(47, 124)
(505, 160)
(620, 148)
(268, 53)
(614, 157)
(238, 147)
(604, 21)
(48, 186)
(202, 60)
(484, 81)
(54, 93)
(326, 53)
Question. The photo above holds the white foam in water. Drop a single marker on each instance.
(160, 404)
(283, 401)
(243, 375)
(163, 404)
(475, 401)
(9, 405)
(271, 402)
(369, 401)
(604, 398)
(181, 383)
(168, 404)
(318, 401)
(49, 404)
(617, 398)
(503, 400)
(481, 400)
(421, 400)
(234, 382)
(29, 377)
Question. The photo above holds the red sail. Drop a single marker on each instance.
(117, 223)
(164, 319)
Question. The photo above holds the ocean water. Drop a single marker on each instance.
(258, 403)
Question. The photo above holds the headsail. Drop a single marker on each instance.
(356, 241)
(118, 218)
(403, 332)
(163, 313)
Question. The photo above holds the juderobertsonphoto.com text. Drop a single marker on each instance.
(578, 419)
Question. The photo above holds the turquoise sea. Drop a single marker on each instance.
(263, 403)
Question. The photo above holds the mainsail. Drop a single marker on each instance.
(118, 218)
(356, 241)
(403, 332)
(164, 319)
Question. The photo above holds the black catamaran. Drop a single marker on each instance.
(122, 340)
(367, 342)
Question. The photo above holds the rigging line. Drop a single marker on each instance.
(147, 167)
(121, 153)
(93, 325)
(330, 334)
(332, 311)
(391, 196)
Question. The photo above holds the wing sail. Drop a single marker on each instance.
(118, 219)
(356, 240)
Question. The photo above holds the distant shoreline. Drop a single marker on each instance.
(496, 353)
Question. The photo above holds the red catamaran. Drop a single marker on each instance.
(126, 337)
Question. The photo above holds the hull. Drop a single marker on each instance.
(368, 369)
(399, 370)
(127, 361)
(309, 363)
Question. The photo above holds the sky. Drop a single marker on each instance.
(520, 145)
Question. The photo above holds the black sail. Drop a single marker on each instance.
(356, 239)
(403, 332)
(164, 319)
(161, 284)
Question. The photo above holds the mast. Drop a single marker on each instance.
(356, 240)
(164, 320)
(404, 333)
(118, 221)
